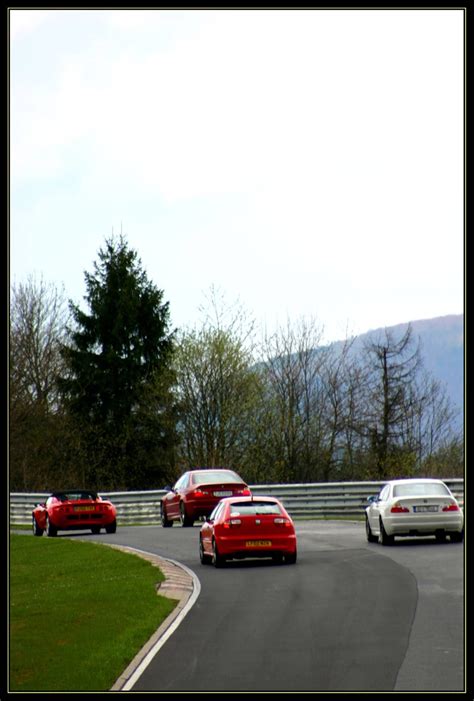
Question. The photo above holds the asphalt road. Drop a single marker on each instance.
(349, 616)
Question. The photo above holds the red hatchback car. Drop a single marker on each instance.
(196, 494)
(76, 509)
(243, 527)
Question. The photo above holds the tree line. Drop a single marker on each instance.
(112, 398)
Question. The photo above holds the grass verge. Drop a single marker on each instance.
(79, 613)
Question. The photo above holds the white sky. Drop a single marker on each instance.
(308, 163)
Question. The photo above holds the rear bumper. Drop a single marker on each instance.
(84, 520)
(201, 507)
(237, 546)
(423, 524)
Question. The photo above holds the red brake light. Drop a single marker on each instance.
(399, 509)
(200, 493)
(451, 507)
(246, 492)
(282, 522)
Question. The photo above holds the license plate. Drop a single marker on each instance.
(84, 508)
(258, 543)
(222, 494)
(425, 508)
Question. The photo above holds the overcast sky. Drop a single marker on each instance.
(308, 163)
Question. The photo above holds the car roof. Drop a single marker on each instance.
(210, 469)
(213, 471)
(63, 492)
(418, 480)
(270, 500)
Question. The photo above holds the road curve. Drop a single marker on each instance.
(180, 584)
(349, 616)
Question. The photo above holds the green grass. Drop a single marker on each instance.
(79, 613)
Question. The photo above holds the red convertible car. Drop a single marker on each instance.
(75, 509)
(248, 527)
(197, 492)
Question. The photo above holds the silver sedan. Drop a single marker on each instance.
(414, 507)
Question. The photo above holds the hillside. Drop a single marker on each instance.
(442, 349)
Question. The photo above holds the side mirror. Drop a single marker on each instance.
(372, 499)
(168, 488)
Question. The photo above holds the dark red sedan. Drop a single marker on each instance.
(243, 527)
(75, 509)
(196, 494)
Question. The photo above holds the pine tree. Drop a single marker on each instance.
(118, 386)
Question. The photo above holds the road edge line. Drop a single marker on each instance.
(142, 659)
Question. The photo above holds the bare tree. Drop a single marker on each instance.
(38, 320)
(217, 388)
(340, 381)
(38, 317)
(435, 419)
(292, 366)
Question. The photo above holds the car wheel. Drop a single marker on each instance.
(384, 538)
(457, 537)
(36, 529)
(164, 519)
(111, 528)
(217, 559)
(184, 518)
(95, 530)
(440, 537)
(204, 557)
(51, 531)
(291, 558)
(370, 536)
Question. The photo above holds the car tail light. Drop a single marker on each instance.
(200, 493)
(282, 522)
(399, 509)
(246, 492)
(232, 523)
(451, 507)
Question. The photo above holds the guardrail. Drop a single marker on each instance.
(321, 499)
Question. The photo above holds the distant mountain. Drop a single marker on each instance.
(442, 349)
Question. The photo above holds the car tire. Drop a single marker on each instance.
(165, 522)
(95, 530)
(217, 559)
(457, 537)
(51, 531)
(36, 529)
(384, 538)
(370, 536)
(204, 557)
(291, 558)
(111, 528)
(184, 518)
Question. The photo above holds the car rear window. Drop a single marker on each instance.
(420, 490)
(75, 496)
(254, 508)
(219, 477)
